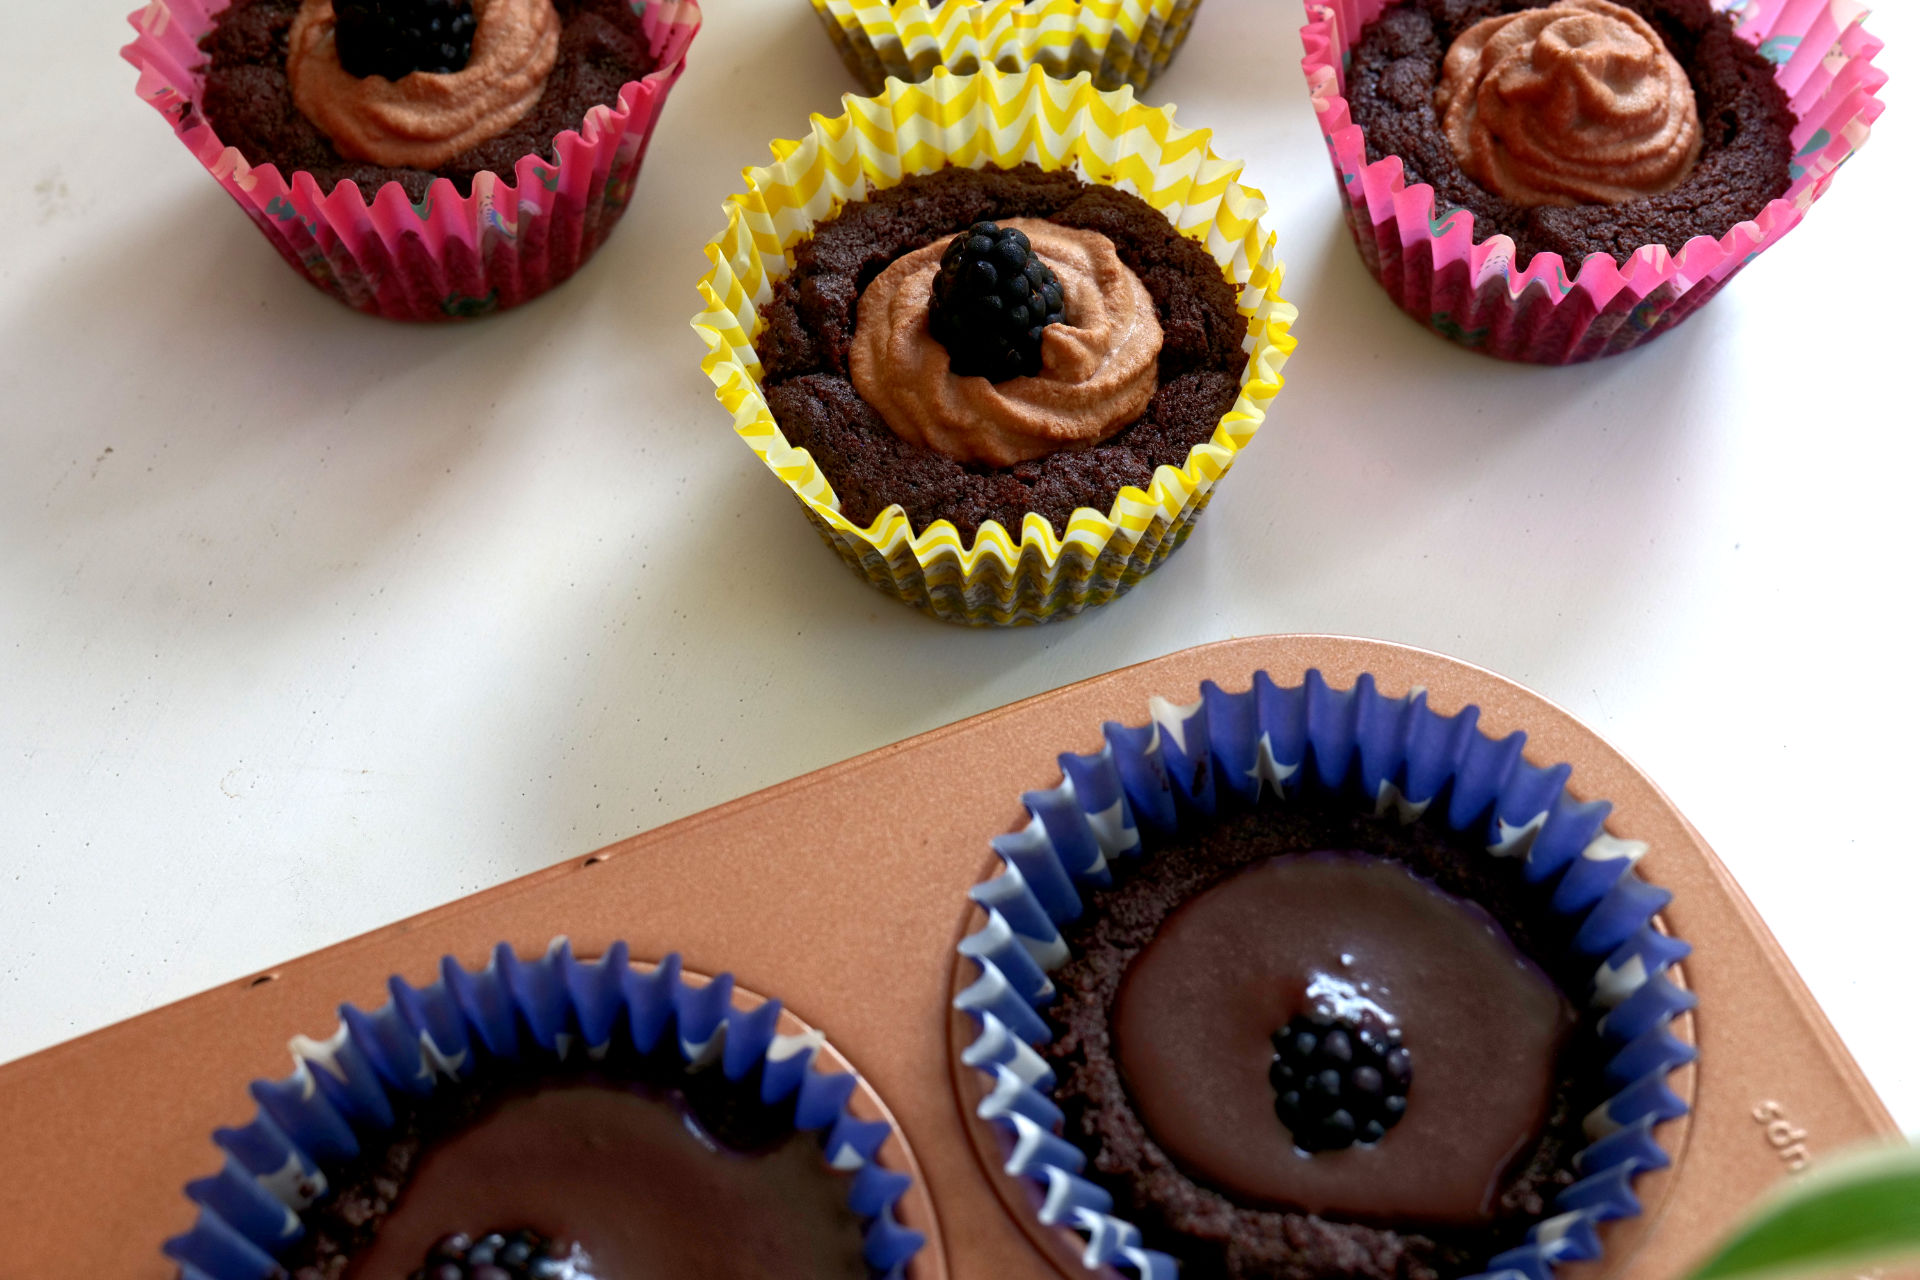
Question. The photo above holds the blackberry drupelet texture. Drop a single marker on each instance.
(991, 301)
(1338, 1081)
(393, 38)
(503, 1255)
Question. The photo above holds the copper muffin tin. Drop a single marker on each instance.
(843, 893)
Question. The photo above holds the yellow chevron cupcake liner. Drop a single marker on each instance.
(1117, 42)
(978, 120)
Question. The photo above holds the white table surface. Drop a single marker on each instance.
(309, 622)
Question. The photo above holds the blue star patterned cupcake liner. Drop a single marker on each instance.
(1188, 763)
(341, 1095)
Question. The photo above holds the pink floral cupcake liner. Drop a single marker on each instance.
(449, 256)
(1429, 261)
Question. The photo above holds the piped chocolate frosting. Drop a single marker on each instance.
(1098, 368)
(424, 119)
(1577, 103)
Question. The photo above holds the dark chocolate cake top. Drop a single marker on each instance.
(1745, 143)
(249, 102)
(809, 325)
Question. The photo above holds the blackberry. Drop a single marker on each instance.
(503, 1255)
(393, 37)
(1337, 1081)
(991, 299)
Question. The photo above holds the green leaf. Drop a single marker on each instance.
(1860, 1209)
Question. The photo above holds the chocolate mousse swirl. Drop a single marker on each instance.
(1576, 103)
(425, 119)
(1098, 369)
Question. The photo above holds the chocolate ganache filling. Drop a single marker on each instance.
(630, 1169)
(641, 1190)
(1178, 1016)
(1348, 938)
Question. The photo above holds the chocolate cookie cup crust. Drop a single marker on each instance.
(804, 348)
(1747, 120)
(1169, 1202)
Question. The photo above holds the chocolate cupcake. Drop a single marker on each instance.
(1118, 45)
(1692, 138)
(1136, 359)
(1301, 982)
(1014, 423)
(555, 1119)
(424, 160)
(322, 86)
(1555, 180)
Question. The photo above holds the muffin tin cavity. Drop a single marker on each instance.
(347, 1094)
(1395, 761)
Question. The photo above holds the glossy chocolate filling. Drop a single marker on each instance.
(636, 1182)
(1225, 1235)
(1325, 933)
(654, 1169)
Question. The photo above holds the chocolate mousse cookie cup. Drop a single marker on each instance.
(1300, 981)
(1117, 42)
(1557, 180)
(419, 159)
(560, 1119)
(1000, 335)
